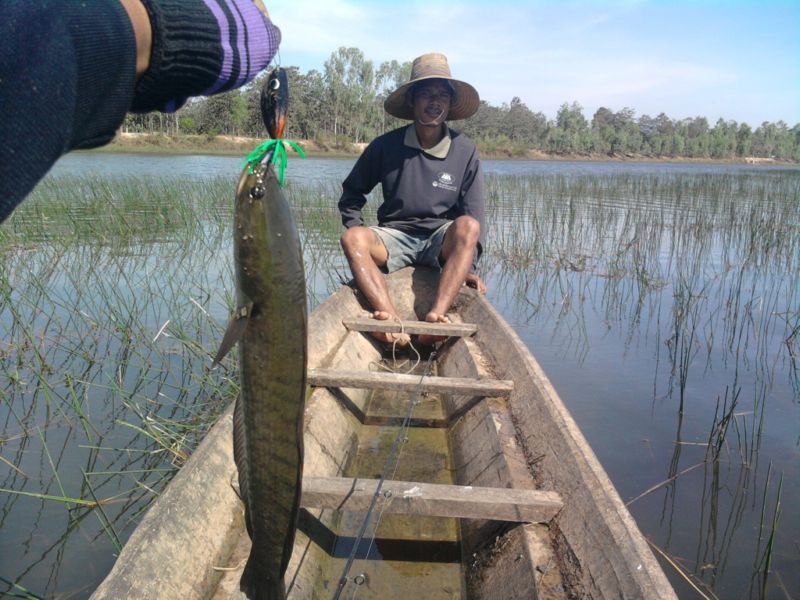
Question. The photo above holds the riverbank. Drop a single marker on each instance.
(236, 146)
(223, 145)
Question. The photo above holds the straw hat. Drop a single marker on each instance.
(433, 66)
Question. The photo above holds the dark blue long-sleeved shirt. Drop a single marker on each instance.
(421, 191)
(67, 73)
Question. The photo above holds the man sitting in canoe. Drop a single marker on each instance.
(433, 206)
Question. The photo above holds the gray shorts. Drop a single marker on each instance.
(411, 248)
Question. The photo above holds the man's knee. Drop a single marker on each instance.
(359, 242)
(356, 238)
(466, 230)
(461, 237)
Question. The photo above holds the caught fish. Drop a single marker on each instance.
(275, 102)
(270, 326)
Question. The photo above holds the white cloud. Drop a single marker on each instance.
(609, 54)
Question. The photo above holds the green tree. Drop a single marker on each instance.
(522, 125)
(795, 133)
(695, 137)
(486, 122)
(345, 103)
(627, 138)
(187, 124)
(222, 114)
(773, 140)
(722, 143)
(350, 82)
(744, 140)
(652, 142)
(603, 130)
(571, 131)
(389, 76)
(307, 109)
(253, 121)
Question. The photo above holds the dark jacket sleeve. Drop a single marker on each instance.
(68, 70)
(472, 200)
(67, 73)
(362, 179)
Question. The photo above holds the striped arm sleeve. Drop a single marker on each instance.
(202, 47)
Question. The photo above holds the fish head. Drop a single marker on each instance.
(275, 102)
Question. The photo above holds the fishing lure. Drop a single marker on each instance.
(274, 109)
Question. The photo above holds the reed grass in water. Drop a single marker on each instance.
(114, 294)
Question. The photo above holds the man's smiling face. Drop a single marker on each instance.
(431, 103)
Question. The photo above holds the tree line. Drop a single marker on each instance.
(343, 104)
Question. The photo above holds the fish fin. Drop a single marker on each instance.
(240, 459)
(233, 333)
(256, 586)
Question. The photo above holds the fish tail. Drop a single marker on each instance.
(257, 586)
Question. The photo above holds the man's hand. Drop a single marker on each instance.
(473, 281)
(260, 6)
(142, 31)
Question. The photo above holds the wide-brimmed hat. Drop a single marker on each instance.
(433, 66)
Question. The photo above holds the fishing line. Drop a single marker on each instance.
(410, 345)
(396, 446)
(276, 60)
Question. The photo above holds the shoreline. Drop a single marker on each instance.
(221, 145)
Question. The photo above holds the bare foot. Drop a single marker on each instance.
(400, 339)
(429, 340)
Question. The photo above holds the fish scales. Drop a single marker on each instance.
(268, 440)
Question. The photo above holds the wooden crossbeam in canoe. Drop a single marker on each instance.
(409, 383)
(429, 499)
(411, 327)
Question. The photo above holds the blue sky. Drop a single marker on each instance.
(734, 60)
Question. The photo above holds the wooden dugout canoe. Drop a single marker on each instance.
(535, 513)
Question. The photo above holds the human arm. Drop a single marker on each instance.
(68, 71)
(471, 202)
(474, 281)
(362, 179)
(142, 31)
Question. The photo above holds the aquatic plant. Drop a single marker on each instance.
(114, 294)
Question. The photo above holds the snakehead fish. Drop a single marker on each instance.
(270, 325)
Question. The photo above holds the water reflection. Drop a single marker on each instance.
(700, 295)
(662, 301)
(322, 170)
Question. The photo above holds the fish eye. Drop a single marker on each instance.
(274, 84)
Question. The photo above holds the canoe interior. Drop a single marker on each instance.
(528, 440)
(524, 440)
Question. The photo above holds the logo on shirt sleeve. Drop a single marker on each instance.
(445, 180)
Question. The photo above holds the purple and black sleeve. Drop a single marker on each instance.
(68, 72)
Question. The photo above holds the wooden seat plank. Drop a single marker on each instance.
(429, 499)
(411, 327)
(409, 383)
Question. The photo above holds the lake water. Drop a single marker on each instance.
(324, 170)
(662, 300)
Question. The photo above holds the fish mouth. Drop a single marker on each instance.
(276, 132)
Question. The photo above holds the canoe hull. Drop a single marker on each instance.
(591, 549)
